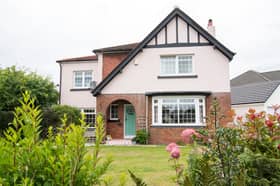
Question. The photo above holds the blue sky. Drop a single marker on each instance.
(35, 33)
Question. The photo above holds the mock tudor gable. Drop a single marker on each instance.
(176, 30)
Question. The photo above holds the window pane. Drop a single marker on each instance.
(169, 101)
(186, 100)
(168, 65)
(156, 114)
(187, 113)
(114, 112)
(169, 113)
(88, 78)
(201, 117)
(89, 116)
(78, 79)
(185, 64)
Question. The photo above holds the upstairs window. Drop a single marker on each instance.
(176, 65)
(82, 79)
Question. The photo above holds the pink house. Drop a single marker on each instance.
(163, 84)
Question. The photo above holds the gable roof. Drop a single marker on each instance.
(272, 75)
(252, 76)
(253, 93)
(248, 77)
(84, 58)
(176, 12)
(119, 48)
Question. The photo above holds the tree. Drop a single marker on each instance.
(14, 81)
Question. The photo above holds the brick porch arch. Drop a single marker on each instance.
(115, 128)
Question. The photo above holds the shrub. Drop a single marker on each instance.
(141, 137)
(73, 114)
(231, 155)
(6, 117)
(60, 159)
(51, 117)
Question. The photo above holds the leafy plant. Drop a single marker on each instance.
(138, 181)
(141, 137)
(219, 148)
(60, 159)
(14, 81)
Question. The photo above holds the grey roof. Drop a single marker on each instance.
(248, 77)
(252, 76)
(272, 75)
(125, 47)
(253, 93)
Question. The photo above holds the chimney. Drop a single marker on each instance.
(211, 28)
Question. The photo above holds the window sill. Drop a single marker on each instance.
(176, 76)
(179, 126)
(114, 120)
(80, 89)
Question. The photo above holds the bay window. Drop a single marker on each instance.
(180, 110)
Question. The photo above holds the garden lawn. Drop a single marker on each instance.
(148, 162)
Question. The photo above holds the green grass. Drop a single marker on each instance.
(148, 162)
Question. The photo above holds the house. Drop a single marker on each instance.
(163, 84)
(255, 90)
(76, 78)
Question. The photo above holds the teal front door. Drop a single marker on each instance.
(129, 128)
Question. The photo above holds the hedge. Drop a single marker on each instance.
(6, 117)
(51, 116)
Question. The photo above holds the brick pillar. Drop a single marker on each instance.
(224, 100)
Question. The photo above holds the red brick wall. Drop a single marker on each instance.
(224, 99)
(110, 61)
(115, 128)
(158, 135)
(165, 135)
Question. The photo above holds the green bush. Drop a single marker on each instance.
(14, 81)
(73, 114)
(141, 137)
(60, 159)
(6, 117)
(51, 117)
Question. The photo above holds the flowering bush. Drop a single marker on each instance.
(247, 154)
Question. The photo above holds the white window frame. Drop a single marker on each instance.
(83, 79)
(113, 118)
(197, 113)
(177, 65)
(87, 113)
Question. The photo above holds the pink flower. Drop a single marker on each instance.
(175, 153)
(239, 118)
(171, 146)
(188, 133)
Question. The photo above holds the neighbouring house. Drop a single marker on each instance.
(77, 77)
(163, 84)
(255, 90)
